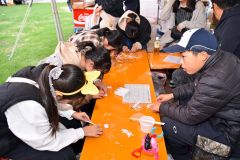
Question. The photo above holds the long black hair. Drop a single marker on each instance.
(132, 27)
(71, 79)
(98, 55)
(190, 5)
(114, 37)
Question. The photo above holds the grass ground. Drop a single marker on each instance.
(38, 39)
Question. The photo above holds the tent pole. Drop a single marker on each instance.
(57, 20)
(21, 30)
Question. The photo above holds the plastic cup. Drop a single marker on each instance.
(146, 123)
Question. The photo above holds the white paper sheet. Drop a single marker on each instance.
(172, 59)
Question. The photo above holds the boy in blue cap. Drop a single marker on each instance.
(208, 116)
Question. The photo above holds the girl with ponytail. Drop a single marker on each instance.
(32, 129)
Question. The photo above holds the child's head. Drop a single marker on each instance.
(132, 27)
(68, 79)
(190, 5)
(94, 58)
(112, 39)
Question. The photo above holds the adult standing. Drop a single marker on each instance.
(112, 7)
(133, 5)
(227, 12)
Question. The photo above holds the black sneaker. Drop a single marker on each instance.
(171, 84)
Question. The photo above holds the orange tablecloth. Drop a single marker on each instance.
(114, 144)
(156, 60)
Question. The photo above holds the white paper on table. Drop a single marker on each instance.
(121, 91)
(172, 59)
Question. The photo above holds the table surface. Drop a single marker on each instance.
(156, 61)
(114, 144)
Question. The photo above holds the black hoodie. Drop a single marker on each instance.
(227, 30)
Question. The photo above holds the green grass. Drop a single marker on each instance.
(38, 39)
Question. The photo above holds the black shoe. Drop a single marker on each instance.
(171, 84)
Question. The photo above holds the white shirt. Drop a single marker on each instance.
(65, 110)
(28, 121)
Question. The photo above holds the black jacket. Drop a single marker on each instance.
(133, 5)
(145, 31)
(112, 7)
(214, 96)
(227, 31)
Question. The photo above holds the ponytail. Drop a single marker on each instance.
(48, 100)
(70, 79)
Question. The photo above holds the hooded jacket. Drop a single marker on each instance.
(144, 27)
(65, 53)
(227, 30)
(214, 96)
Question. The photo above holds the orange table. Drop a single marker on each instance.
(114, 144)
(156, 61)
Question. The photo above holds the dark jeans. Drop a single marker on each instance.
(181, 138)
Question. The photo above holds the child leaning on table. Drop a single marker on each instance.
(30, 126)
(109, 39)
(86, 56)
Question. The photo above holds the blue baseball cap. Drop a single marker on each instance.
(197, 40)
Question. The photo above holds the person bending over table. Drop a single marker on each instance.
(30, 102)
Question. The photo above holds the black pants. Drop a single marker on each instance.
(77, 147)
(25, 152)
(88, 108)
(133, 5)
(181, 138)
